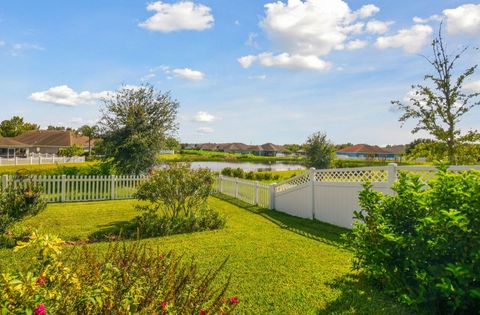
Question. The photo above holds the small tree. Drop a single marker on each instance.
(438, 109)
(73, 150)
(134, 126)
(15, 126)
(90, 132)
(319, 151)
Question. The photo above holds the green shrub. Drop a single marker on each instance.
(238, 173)
(177, 203)
(227, 171)
(73, 150)
(423, 244)
(19, 201)
(127, 279)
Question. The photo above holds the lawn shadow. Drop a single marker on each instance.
(112, 230)
(312, 229)
(359, 296)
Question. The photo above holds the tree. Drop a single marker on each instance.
(134, 126)
(73, 150)
(171, 143)
(319, 151)
(90, 132)
(16, 126)
(438, 107)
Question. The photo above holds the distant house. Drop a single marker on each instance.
(10, 148)
(365, 151)
(50, 141)
(267, 149)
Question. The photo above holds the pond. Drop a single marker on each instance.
(249, 166)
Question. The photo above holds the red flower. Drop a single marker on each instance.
(202, 312)
(40, 310)
(234, 300)
(41, 280)
(164, 304)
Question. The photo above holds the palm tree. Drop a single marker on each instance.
(90, 132)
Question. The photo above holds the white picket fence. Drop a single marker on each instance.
(31, 160)
(327, 195)
(65, 188)
(254, 193)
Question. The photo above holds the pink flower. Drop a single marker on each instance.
(234, 300)
(164, 305)
(202, 312)
(40, 310)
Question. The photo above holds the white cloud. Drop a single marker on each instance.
(312, 27)
(433, 18)
(463, 19)
(2, 43)
(64, 95)
(356, 44)
(285, 60)
(237, 22)
(473, 86)
(378, 27)
(205, 130)
(411, 40)
(251, 40)
(205, 117)
(258, 77)
(189, 74)
(246, 61)
(367, 10)
(19, 48)
(183, 15)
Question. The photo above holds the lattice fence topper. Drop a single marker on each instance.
(293, 182)
(352, 176)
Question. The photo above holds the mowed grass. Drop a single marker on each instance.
(40, 168)
(278, 264)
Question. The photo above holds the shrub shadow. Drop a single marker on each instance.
(359, 296)
(312, 229)
(110, 231)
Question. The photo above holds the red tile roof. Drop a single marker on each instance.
(364, 148)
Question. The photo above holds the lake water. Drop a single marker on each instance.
(248, 166)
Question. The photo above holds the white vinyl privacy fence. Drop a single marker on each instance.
(327, 195)
(64, 188)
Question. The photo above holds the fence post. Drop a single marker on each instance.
(236, 187)
(272, 196)
(16, 161)
(31, 160)
(255, 201)
(312, 184)
(112, 187)
(4, 182)
(39, 159)
(221, 183)
(392, 173)
(64, 186)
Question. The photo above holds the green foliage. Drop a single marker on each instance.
(98, 168)
(73, 150)
(177, 203)
(423, 244)
(15, 126)
(90, 132)
(127, 279)
(240, 173)
(439, 106)
(319, 151)
(18, 202)
(134, 127)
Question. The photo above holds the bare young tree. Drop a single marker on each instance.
(439, 106)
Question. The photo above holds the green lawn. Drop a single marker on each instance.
(201, 155)
(42, 169)
(279, 264)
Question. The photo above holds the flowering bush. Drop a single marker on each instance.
(16, 203)
(127, 279)
(423, 244)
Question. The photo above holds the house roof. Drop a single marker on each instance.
(11, 143)
(364, 148)
(397, 149)
(208, 146)
(52, 138)
(272, 147)
(233, 146)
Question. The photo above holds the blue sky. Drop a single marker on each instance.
(248, 71)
